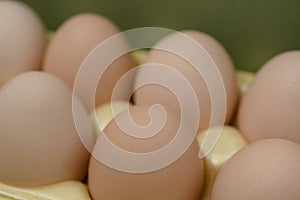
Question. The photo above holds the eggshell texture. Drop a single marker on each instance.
(271, 106)
(267, 169)
(22, 39)
(182, 180)
(39, 142)
(153, 93)
(73, 41)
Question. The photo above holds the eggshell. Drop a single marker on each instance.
(267, 169)
(71, 44)
(270, 108)
(39, 141)
(22, 38)
(153, 93)
(181, 180)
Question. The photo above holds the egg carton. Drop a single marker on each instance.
(66, 190)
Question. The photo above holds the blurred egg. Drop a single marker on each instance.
(22, 38)
(154, 93)
(180, 180)
(229, 142)
(106, 112)
(271, 106)
(39, 141)
(266, 169)
(71, 44)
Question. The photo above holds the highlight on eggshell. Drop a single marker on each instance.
(72, 43)
(106, 112)
(229, 142)
(23, 39)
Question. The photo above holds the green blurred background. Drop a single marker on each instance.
(251, 31)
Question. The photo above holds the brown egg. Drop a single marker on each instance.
(22, 38)
(153, 93)
(267, 169)
(271, 106)
(39, 141)
(71, 44)
(117, 176)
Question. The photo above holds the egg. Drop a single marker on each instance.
(270, 108)
(267, 169)
(229, 142)
(120, 177)
(23, 40)
(154, 93)
(72, 43)
(39, 140)
(106, 112)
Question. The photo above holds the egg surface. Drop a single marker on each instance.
(72, 43)
(39, 141)
(267, 169)
(22, 39)
(271, 106)
(181, 180)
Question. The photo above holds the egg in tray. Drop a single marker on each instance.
(233, 142)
